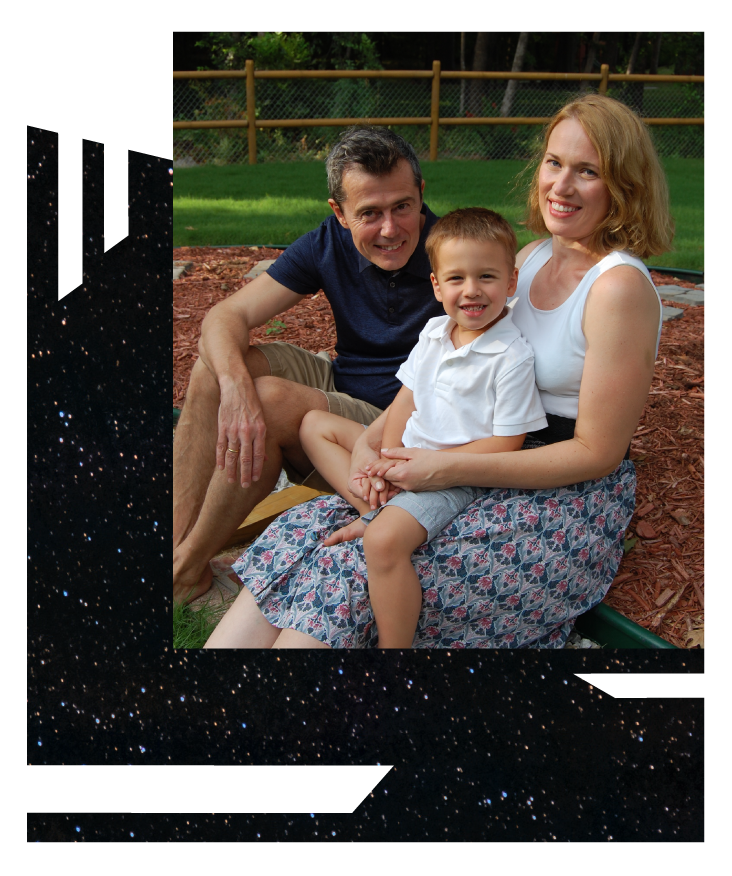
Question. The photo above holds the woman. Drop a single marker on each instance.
(521, 564)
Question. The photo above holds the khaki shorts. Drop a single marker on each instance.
(301, 366)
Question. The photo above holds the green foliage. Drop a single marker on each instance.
(276, 50)
(275, 326)
(269, 51)
(192, 627)
(343, 51)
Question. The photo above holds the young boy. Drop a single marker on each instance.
(468, 386)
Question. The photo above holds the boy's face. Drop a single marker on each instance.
(473, 280)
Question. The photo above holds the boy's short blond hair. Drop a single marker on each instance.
(471, 223)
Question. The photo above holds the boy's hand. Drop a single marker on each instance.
(381, 489)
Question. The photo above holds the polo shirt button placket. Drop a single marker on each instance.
(392, 309)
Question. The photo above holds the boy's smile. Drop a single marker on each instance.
(472, 280)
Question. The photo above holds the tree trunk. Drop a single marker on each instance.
(633, 55)
(462, 67)
(518, 63)
(610, 51)
(590, 62)
(484, 46)
(634, 90)
(656, 55)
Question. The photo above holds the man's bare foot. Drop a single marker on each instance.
(185, 590)
(347, 533)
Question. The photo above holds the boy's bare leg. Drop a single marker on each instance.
(328, 441)
(206, 513)
(394, 589)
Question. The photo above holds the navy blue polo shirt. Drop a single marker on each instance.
(378, 314)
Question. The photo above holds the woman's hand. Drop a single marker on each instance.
(411, 468)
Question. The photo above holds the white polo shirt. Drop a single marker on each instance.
(485, 388)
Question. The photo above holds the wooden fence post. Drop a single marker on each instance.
(251, 113)
(435, 113)
(604, 71)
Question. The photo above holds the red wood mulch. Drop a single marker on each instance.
(660, 583)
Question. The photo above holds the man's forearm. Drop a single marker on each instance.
(223, 345)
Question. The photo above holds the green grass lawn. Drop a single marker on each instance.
(276, 203)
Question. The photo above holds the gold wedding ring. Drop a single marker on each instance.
(231, 450)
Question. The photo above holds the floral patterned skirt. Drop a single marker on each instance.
(514, 570)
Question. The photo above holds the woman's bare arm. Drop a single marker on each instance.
(620, 325)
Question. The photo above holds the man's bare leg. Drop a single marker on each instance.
(223, 506)
(194, 447)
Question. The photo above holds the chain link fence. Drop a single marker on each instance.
(198, 100)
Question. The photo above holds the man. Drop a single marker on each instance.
(244, 404)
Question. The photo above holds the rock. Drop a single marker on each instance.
(180, 268)
(681, 294)
(259, 268)
(671, 313)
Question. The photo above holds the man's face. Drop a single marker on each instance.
(382, 213)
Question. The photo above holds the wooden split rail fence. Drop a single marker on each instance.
(603, 79)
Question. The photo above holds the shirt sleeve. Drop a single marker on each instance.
(518, 407)
(297, 268)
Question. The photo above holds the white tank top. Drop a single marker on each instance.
(556, 335)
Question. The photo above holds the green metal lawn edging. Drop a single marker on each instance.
(679, 272)
(610, 629)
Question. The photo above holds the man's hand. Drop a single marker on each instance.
(241, 434)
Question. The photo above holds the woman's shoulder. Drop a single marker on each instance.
(622, 270)
(627, 289)
(526, 251)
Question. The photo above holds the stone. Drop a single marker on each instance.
(259, 268)
(671, 313)
(180, 268)
(679, 293)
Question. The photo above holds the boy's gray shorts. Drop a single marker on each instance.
(433, 510)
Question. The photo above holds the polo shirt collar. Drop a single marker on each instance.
(418, 263)
(496, 340)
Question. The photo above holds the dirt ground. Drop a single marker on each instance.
(660, 583)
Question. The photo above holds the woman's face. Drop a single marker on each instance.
(573, 198)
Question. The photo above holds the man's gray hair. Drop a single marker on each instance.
(377, 150)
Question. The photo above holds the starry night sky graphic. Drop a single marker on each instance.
(487, 746)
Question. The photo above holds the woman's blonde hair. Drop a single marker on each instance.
(639, 219)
